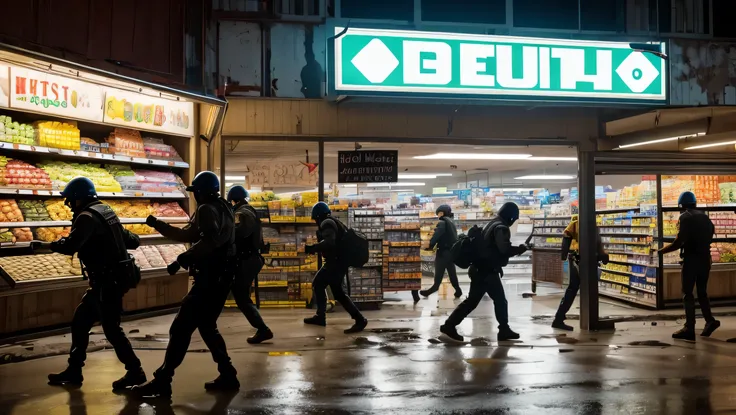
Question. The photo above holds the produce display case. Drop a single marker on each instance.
(60, 121)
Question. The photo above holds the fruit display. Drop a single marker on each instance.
(140, 229)
(34, 210)
(7, 236)
(61, 173)
(127, 142)
(52, 234)
(22, 234)
(32, 267)
(169, 210)
(58, 135)
(58, 210)
(152, 255)
(19, 174)
(263, 196)
(14, 132)
(131, 208)
(170, 252)
(723, 252)
(156, 181)
(9, 211)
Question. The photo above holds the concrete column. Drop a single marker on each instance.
(587, 237)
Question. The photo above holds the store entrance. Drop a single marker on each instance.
(399, 215)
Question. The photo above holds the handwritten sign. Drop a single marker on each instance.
(268, 174)
(372, 166)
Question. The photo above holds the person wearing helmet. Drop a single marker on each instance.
(570, 252)
(445, 235)
(249, 240)
(333, 271)
(101, 243)
(485, 275)
(210, 260)
(694, 237)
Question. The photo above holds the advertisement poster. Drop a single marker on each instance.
(269, 174)
(4, 86)
(128, 109)
(37, 91)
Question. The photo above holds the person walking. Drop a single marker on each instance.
(210, 261)
(694, 237)
(248, 240)
(570, 251)
(329, 235)
(445, 235)
(486, 272)
(101, 243)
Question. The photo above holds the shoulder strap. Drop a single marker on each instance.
(111, 222)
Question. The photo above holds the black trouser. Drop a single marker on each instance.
(695, 272)
(332, 274)
(482, 282)
(103, 304)
(247, 272)
(443, 261)
(572, 289)
(199, 310)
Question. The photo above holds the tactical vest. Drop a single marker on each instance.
(106, 247)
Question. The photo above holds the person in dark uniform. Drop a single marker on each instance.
(570, 251)
(210, 261)
(332, 273)
(101, 243)
(694, 237)
(445, 235)
(485, 275)
(249, 240)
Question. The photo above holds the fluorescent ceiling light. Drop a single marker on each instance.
(721, 143)
(395, 184)
(473, 156)
(423, 175)
(535, 158)
(235, 178)
(545, 177)
(662, 140)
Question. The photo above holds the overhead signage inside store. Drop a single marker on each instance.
(377, 61)
(142, 111)
(372, 166)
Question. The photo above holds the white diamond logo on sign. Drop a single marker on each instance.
(637, 72)
(375, 61)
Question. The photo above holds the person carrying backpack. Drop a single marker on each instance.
(330, 234)
(485, 272)
(445, 235)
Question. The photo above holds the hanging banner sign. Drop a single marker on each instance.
(145, 112)
(4, 86)
(269, 174)
(52, 94)
(368, 166)
(402, 62)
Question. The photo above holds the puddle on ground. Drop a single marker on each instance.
(654, 343)
(388, 330)
(567, 340)
(365, 341)
(480, 341)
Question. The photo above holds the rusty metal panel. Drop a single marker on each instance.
(240, 57)
(703, 72)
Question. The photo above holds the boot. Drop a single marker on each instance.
(458, 293)
(316, 320)
(131, 378)
(70, 376)
(560, 325)
(684, 333)
(223, 383)
(710, 327)
(426, 293)
(505, 333)
(357, 327)
(261, 336)
(451, 332)
(154, 388)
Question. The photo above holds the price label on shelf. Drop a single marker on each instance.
(107, 156)
(171, 164)
(138, 194)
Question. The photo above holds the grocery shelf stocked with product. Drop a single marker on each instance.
(546, 242)
(365, 282)
(402, 262)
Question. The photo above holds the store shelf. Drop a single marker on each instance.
(101, 195)
(624, 226)
(715, 208)
(90, 155)
(551, 227)
(726, 240)
(618, 210)
(627, 286)
(624, 273)
(549, 235)
(51, 223)
(626, 234)
(629, 263)
(553, 218)
(627, 253)
(626, 243)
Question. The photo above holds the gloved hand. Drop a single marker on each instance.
(604, 258)
(183, 260)
(309, 249)
(54, 246)
(151, 221)
(522, 248)
(173, 268)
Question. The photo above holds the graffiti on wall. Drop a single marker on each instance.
(703, 73)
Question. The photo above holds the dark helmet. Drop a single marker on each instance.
(237, 193)
(320, 209)
(509, 212)
(446, 209)
(687, 199)
(79, 188)
(205, 182)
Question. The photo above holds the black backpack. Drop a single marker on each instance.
(353, 246)
(468, 248)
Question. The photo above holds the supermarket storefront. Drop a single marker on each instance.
(423, 94)
(136, 141)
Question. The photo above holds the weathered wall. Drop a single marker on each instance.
(240, 57)
(703, 73)
(297, 61)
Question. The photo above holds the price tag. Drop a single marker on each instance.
(138, 194)
(16, 146)
(25, 192)
(108, 157)
(91, 154)
(171, 163)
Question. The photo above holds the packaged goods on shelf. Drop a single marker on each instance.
(262, 196)
(140, 229)
(9, 211)
(171, 251)
(156, 181)
(155, 148)
(131, 208)
(52, 234)
(88, 144)
(169, 210)
(14, 132)
(725, 223)
(58, 210)
(57, 134)
(61, 173)
(22, 234)
(19, 174)
(127, 142)
(7, 236)
(153, 256)
(723, 252)
(32, 267)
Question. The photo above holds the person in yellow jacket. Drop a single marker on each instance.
(570, 251)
